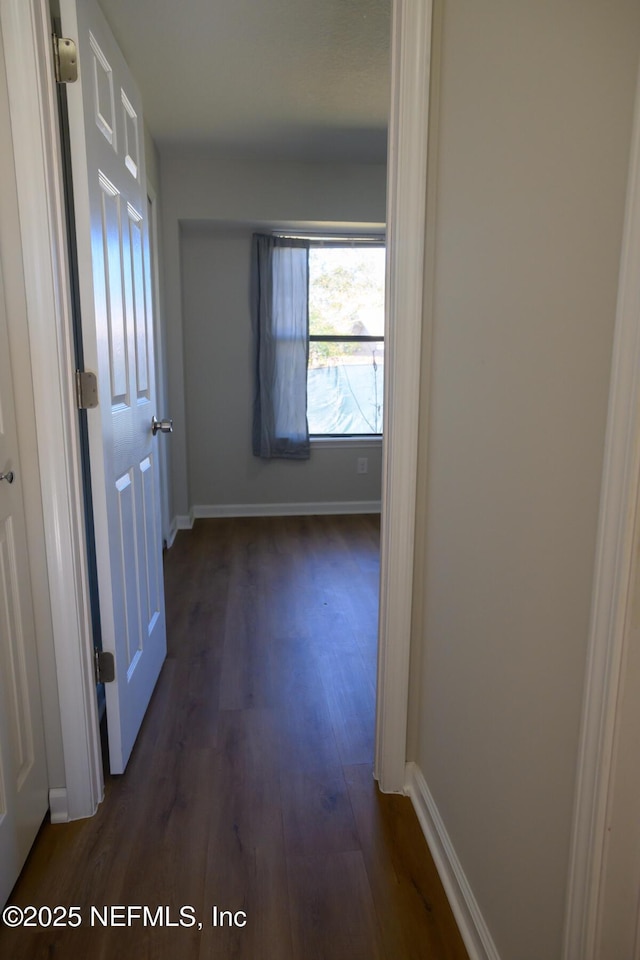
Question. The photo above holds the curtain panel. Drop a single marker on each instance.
(280, 316)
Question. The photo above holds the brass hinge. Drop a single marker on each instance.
(65, 60)
(86, 389)
(105, 667)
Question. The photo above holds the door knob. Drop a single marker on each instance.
(164, 426)
(8, 476)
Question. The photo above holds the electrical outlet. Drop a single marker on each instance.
(363, 464)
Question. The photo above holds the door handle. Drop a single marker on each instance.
(164, 426)
(9, 476)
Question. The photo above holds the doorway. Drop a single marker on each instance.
(36, 150)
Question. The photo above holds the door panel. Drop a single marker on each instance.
(109, 184)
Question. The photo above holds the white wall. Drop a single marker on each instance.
(535, 107)
(196, 187)
(218, 354)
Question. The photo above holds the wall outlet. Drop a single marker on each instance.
(363, 464)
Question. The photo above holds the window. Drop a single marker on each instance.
(345, 373)
(318, 320)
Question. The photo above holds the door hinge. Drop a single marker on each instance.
(65, 60)
(86, 389)
(105, 667)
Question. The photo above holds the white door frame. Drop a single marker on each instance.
(611, 593)
(406, 230)
(34, 122)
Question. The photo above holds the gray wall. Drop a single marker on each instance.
(219, 391)
(199, 188)
(535, 107)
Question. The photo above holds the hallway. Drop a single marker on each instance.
(250, 787)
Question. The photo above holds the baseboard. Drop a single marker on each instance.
(182, 522)
(58, 806)
(471, 923)
(285, 509)
(173, 530)
(211, 511)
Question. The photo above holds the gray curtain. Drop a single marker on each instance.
(280, 303)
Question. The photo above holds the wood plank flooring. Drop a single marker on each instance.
(250, 787)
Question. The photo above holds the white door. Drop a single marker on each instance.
(24, 794)
(109, 184)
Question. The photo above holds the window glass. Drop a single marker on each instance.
(346, 348)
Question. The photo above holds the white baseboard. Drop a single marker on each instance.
(285, 509)
(58, 806)
(181, 522)
(471, 923)
(211, 511)
(171, 536)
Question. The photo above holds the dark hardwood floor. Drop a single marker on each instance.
(250, 788)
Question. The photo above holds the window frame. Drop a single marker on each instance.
(345, 242)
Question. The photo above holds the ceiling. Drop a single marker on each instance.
(296, 79)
